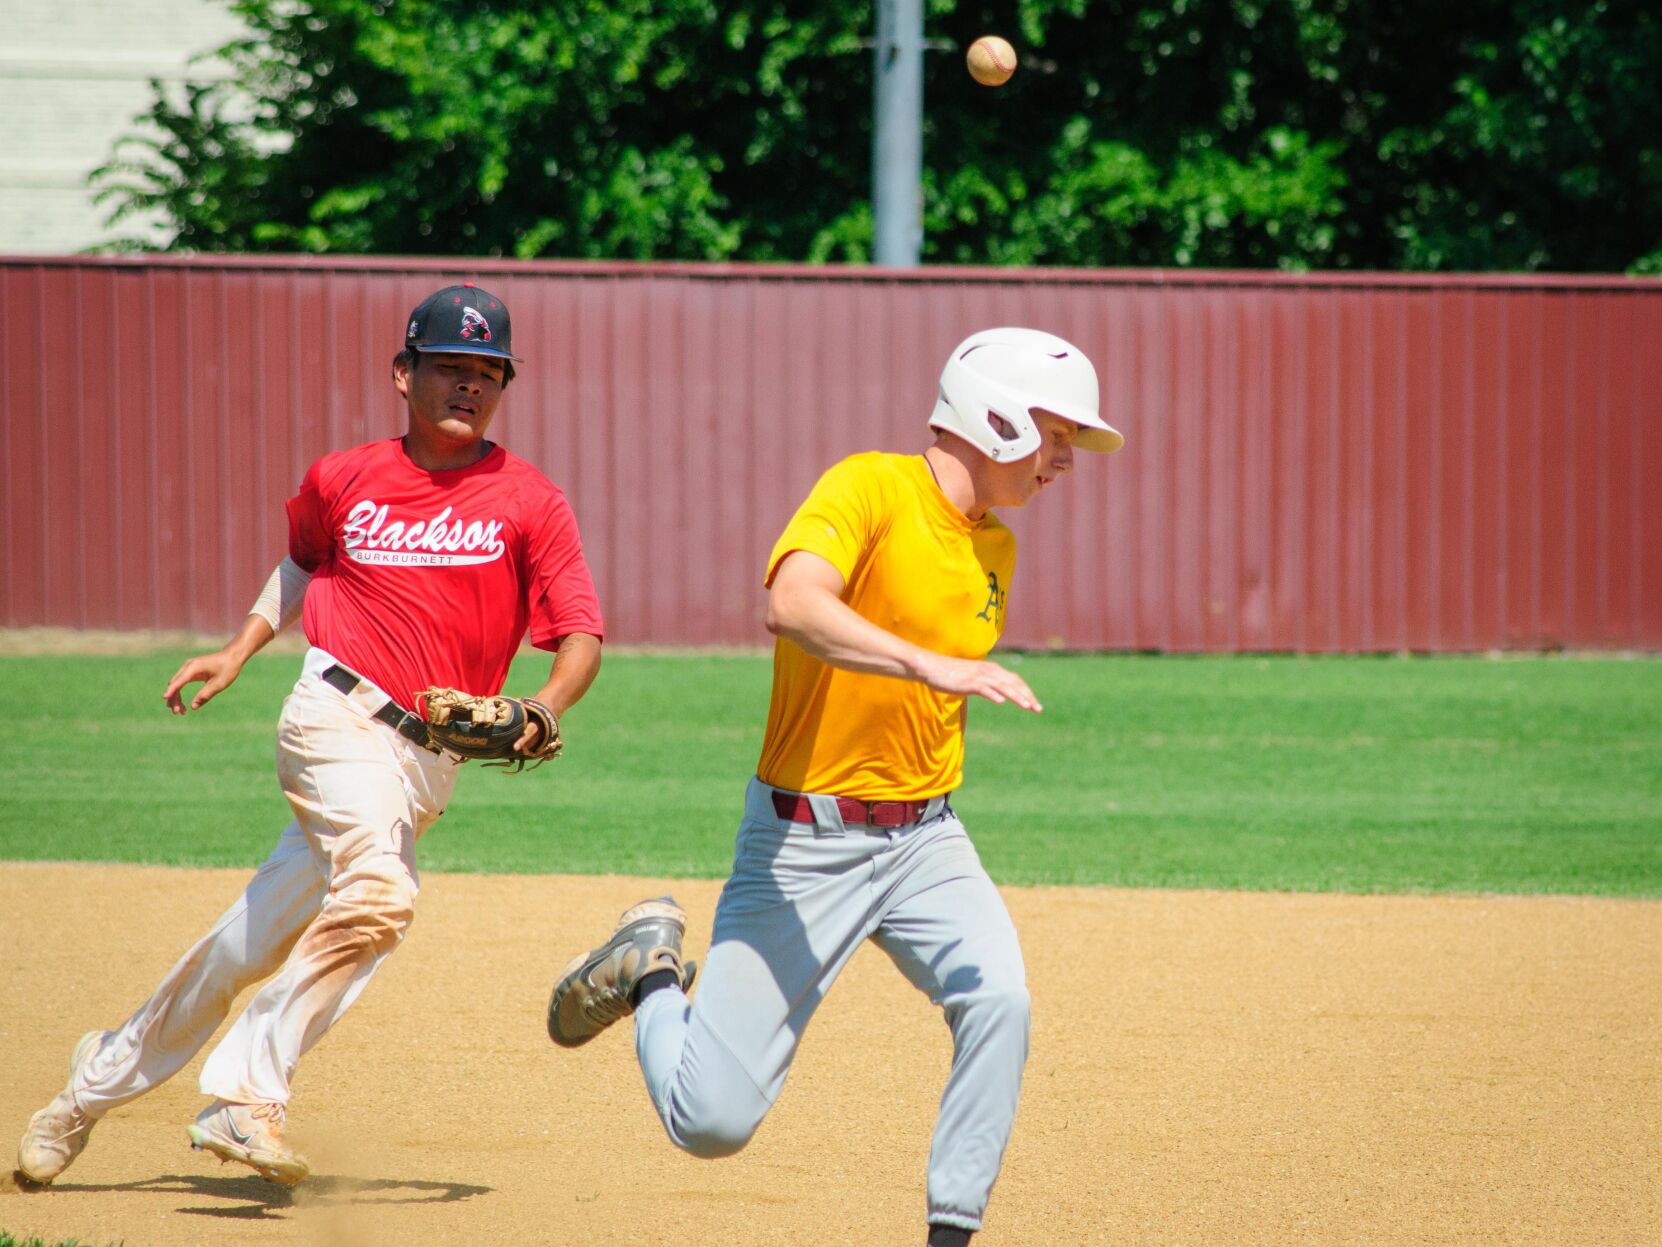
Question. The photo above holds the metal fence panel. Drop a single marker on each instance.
(1314, 462)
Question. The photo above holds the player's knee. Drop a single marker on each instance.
(1010, 1005)
(1003, 1006)
(716, 1140)
(382, 909)
(712, 1135)
(395, 913)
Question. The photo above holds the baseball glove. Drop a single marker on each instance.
(487, 727)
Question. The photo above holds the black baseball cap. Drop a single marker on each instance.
(461, 320)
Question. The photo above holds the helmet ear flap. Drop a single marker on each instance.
(1001, 427)
(977, 407)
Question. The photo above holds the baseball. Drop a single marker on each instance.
(991, 61)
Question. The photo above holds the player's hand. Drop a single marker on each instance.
(980, 679)
(216, 671)
(531, 738)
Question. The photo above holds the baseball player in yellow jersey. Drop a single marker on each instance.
(886, 591)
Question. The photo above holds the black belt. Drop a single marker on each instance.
(392, 714)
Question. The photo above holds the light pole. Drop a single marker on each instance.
(897, 135)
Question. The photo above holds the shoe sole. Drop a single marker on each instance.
(581, 966)
(282, 1172)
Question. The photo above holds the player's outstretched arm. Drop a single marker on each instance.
(576, 663)
(277, 606)
(805, 606)
(218, 670)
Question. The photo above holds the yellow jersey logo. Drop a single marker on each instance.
(993, 611)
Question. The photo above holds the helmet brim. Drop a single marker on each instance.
(1102, 438)
(1095, 433)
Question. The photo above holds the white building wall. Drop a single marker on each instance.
(73, 75)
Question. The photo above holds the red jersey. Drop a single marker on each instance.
(431, 578)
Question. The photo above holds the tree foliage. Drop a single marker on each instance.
(1487, 134)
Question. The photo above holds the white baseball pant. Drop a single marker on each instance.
(800, 901)
(334, 898)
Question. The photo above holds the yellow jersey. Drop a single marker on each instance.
(916, 566)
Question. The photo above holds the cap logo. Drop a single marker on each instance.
(475, 326)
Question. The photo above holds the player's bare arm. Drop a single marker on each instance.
(217, 671)
(576, 663)
(277, 606)
(805, 606)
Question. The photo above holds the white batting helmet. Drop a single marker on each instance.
(997, 378)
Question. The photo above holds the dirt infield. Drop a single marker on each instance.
(1207, 1068)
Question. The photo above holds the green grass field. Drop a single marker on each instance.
(1308, 774)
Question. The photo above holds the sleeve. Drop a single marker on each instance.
(311, 541)
(283, 597)
(837, 521)
(559, 589)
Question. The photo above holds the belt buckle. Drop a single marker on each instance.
(414, 729)
(888, 814)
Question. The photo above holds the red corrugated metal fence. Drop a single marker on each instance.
(1313, 462)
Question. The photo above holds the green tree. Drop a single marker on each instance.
(1489, 134)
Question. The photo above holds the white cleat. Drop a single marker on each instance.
(58, 1133)
(251, 1134)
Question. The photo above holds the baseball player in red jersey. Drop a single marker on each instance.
(418, 561)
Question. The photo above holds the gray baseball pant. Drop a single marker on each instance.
(799, 902)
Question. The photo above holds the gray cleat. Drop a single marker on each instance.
(595, 988)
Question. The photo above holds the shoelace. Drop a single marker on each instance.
(274, 1115)
(605, 1007)
(67, 1119)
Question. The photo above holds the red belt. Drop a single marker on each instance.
(795, 808)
